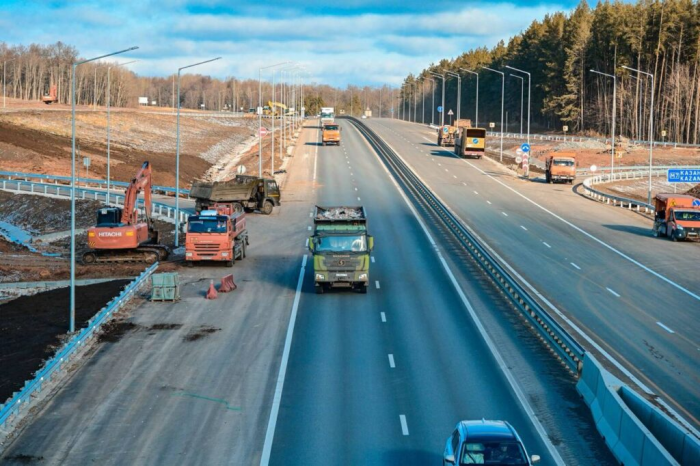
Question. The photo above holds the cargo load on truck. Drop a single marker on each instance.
(330, 134)
(447, 134)
(471, 142)
(561, 167)
(327, 115)
(244, 193)
(677, 216)
(341, 248)
(217, 234)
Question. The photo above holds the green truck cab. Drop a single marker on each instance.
(341, 248)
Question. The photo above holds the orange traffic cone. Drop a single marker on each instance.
(211, 292)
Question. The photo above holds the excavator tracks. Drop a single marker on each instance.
(146, 255)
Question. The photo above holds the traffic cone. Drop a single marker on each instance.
(211, 292)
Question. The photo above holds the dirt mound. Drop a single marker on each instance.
(694, 191)
(33, 327)
(42, 215)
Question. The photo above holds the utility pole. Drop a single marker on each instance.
(503, 88)
(651, 127)
(476, 117)
(612, 152)
(522, 87)
(529, 95)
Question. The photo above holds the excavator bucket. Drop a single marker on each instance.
(227, 284)
(211, 292)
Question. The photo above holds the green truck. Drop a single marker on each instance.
(341, 248)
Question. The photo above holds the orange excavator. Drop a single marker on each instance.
(119, 235)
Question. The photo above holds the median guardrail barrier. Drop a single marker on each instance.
(21, 400)
(636, 431)
(589, 183)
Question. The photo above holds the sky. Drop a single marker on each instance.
(341, 42)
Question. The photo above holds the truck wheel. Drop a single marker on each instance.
(267, 207)
(229, 263)
(323, 143)
(237, 207)
(189, 263)
(362, 289)
(243, 250)
(319, 289)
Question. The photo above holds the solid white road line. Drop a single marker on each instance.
(664, 327)
(523, 227)
(613, 292)
(575, 266)
(404, 424)
(377, 284)
(383, 315)
(277, 398)
(482, 330)
(546, 244)
(391, 361)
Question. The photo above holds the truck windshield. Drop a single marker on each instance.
(687, 216)
(206, 225)
(349, 243)
(563, 163)
(330, 128)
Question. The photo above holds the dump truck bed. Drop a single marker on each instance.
(238, 189)
(340, 214)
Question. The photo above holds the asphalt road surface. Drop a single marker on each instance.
(380, 378)
(634, 295)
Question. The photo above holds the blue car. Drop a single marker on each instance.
(486, 442)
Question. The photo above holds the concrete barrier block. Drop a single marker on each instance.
(666, 432)
(630, 448)
(609, 423)
(639, 406)
(691, 450)
(587, 385)
(655, 455)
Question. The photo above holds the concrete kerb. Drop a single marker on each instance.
(635, 431)
(20, 401)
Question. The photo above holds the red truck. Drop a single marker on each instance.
(677, 216)
(217, 234)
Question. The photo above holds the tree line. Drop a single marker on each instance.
(661, 38)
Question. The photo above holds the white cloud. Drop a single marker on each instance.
(345, 49)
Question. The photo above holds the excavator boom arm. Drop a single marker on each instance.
(142, 182)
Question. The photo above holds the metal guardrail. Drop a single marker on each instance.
(559, 339)
(20, 400)
(623, 202)
(40, 176)
(159, 209)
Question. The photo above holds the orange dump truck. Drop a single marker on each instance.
(677, 216)
(218, 234)
(330, 134)
(561, 166)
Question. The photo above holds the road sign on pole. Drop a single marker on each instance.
(439, 109)
(683, 175)
(525, 147)
(492, 125)
(263, 132)
(450, 112)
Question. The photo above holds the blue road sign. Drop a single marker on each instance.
(525, 147)
(683, 175)
(475, 141)
(445, 129)
(439, 108)
(696, 203)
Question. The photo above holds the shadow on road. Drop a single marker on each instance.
(640, 231)
(407, 457)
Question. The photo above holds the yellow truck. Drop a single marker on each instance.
(330, 134)
(471, 142)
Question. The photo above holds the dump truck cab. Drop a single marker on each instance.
(218, 234)
(330, 134)
(341, 248)
(561, 167)
(677, 216)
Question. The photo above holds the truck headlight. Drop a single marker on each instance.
(363, 276)
(224, 254)
(188, 254)
(320, 276)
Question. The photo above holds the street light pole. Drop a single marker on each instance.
(651, 127)
(259, 109)
(422, 120)
(476, 117)
(442, 113)
(522, 88)
(4, 65)
(459, 91)
(612, 152)
(503, 88)
(177, 152)
(529, 94)
(72, 191)
(109, 98)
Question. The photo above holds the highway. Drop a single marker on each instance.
(383, 378)
(380, 378)
(635, 297)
